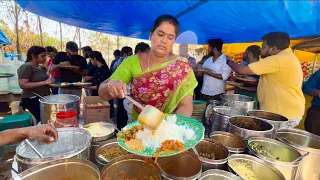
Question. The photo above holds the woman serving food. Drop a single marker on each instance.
(159, 78)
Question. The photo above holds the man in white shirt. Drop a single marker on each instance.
(218, 72)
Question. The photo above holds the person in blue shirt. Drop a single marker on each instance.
(312, 88)
(116, 55)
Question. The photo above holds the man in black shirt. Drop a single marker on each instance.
(70, 74)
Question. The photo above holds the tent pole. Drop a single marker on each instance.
(315, 62)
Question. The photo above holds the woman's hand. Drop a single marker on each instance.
(116, 89)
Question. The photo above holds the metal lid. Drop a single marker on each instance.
(299, 139)
(227, 111)
(270, 149)
(218, 174)
(71, 142)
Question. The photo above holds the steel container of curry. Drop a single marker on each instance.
(247, 166)
(276, 153)
(304, 142)
(246, 127)
(278, 121)
(50, 105)
(63, 169)
(100, 133)
(233, 143)
(183, 166)
(217, 174)
(220, 116)
(72, 142)
(213, 155)
(101, 161)
(131, 167)
(240, 102)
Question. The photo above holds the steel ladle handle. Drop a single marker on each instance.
(140, 106)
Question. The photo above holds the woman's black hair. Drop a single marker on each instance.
(166, 18)
(49, 49)
(35, 50)
(98, 56)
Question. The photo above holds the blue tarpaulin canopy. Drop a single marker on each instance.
(3, 39)
(232, 21)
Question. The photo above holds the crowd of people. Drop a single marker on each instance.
(153, 75)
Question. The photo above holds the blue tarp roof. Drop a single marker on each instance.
(233, 21)
(3, 39)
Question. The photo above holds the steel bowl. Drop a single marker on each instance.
(277, 154)
(217, 174)
(233, 143)
(183, 166)
(278, 121)
(246, 127)
(131, 167)
(72, 142)
(304, 142)
(240, 102)
(220, 152)
(68, 169)
(260, 168)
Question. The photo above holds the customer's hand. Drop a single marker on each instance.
(87, 78)
(47, 133)
(64, 63)
(49, 81)
(117, 89)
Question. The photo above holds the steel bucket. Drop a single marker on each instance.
(50, 105)
(246, 127)
(101, 162)
(239, 102)
(72, 142)
(220, 116)
(183, 166)
(218, 175)
(233, 143)
(98, 140)
(278, 121)
(304, 142)
(63, 169)
(211, 146)
(260, 168)
(131, 167)
(277, 154)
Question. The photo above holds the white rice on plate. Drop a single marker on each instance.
(167, 130)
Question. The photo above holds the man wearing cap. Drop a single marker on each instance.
(70, 74)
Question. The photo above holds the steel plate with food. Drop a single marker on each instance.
(58, 85)
(69, 66)
(6, 75)
(246, 78)
(175, 134)
(81, 84)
